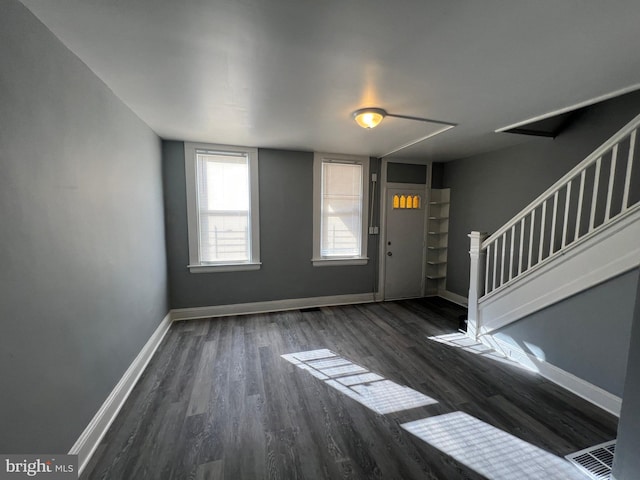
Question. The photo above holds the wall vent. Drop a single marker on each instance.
(596, 462)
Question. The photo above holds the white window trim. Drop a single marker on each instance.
(318, 260)
(195, 265)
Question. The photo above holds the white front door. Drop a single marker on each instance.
(404, 242)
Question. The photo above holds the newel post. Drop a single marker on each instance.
(476, 281)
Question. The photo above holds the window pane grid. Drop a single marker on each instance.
(223, 207)
(341, 210)
(224, 236)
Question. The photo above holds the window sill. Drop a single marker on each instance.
(224, 267)
(339, 262)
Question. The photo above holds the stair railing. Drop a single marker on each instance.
(597, 192)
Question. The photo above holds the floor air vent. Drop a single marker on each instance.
(595, 461)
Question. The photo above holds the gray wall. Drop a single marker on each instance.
(627, 461)
(83, 281)
(286, 239)
(398, 172)
(437, 175)
(488, 189)
(586, 335)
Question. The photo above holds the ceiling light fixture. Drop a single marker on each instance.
(369, 117)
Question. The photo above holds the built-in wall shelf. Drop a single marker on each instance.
(437, 241)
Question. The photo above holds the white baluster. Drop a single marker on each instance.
(567, 203)
(627, 178)
(594, 199)
(521, 245)
(580, 198)
(612, 176)
(502, 265)
(513, 234)
(533, 221)
(542, 227)
(486, 270)
(495, 262)
(554, 216)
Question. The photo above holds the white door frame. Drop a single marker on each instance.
(384, 186)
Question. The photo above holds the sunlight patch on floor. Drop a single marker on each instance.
(462, 341)
(368, 388)
(490, 451)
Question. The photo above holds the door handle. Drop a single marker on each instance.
(389, 254)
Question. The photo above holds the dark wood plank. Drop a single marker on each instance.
(218, 401)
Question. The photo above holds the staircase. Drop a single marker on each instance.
(582, 231)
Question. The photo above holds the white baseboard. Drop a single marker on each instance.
(454, 297)
(592, 393)
(269, 306)
(89, 440)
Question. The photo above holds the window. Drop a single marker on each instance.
(222, 207)
(406, 201)
(340, 189)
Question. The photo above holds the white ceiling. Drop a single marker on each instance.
(288, 73)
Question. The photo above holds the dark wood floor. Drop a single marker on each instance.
(218, 401)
